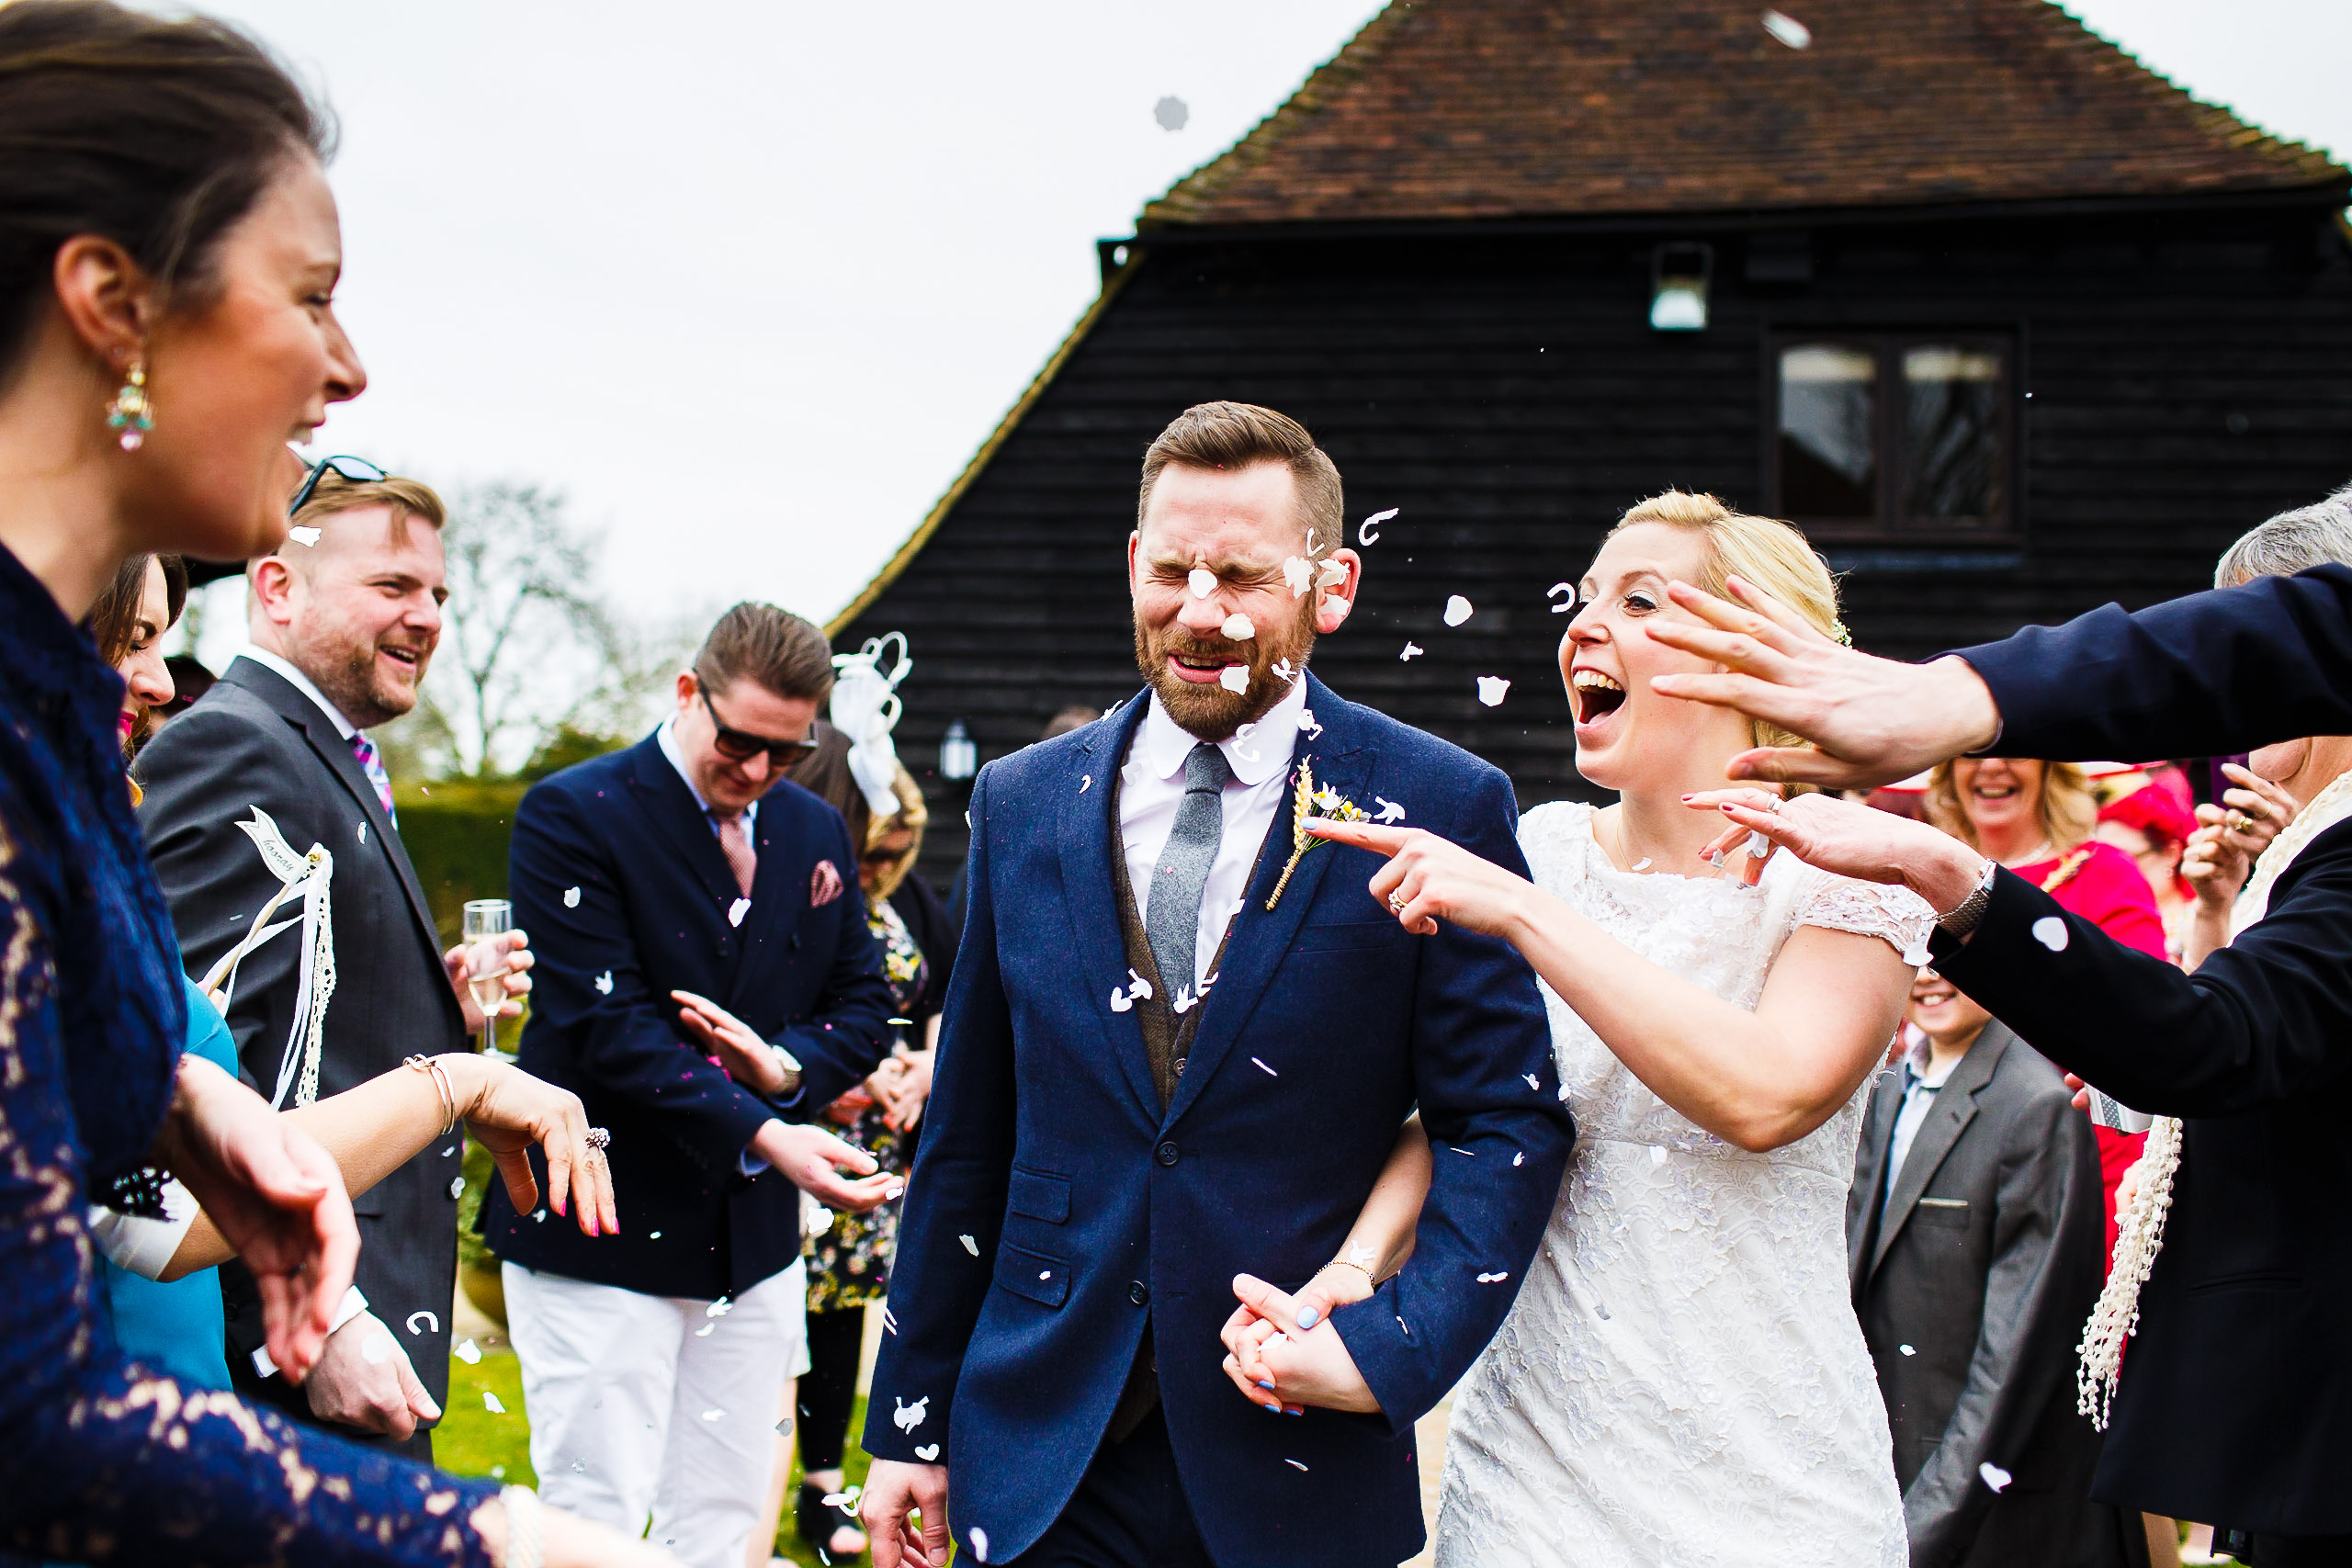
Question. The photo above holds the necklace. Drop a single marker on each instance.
(1620, 856)
(2032, 855)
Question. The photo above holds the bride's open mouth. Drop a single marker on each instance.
(1597, 695)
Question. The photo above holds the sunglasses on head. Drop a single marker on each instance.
(352, 470)
(741, 745)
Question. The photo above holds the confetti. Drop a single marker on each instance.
(719, 1308)
(1642, 863)
(1183, 1001)
(845, 1500)
(1520, 1159)
(1788, 29)
(713, 1415)
(1202, 582)
(654, 1236)
(889, 1322)
(737, 910)
(928, 1452)
(1566, 605)
(704, 1332)
(571, 898)
(1239, 628)
(1457, 610)
(1493, 1279)
(1234, 678)
(1491, 688)
(432, 1324)
(304, 536)
(1171, 113)
(604, 984)
(1995, 1476)
(784, 1427)
(1919, 957)
(969, 1245)
(1364, 535)
(1141, 990)
(1242, 747)
(540, 1216)
(1657, 1154)
(1299, 575)
(1330, 574)
(362, 833)
(374, 1349)
(1362, 1255)
(2051, 933)
(490, 1403)
(1085, 783)
(1283, 672)
(1120, 1000)
(1410, 648)
(469, 1353)
(1468, 1154)
(1306, 722)
(457, 1185)
(1533, 1081)
(1389, 810)
(1293, 1464)
(979, 1543)
(1263, 1068)
(1758, 846)
(1906, 1350)
(498, 1472)
(907, 1417)
(1045, 1273)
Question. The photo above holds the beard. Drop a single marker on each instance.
(360, 688)
(1208, 711)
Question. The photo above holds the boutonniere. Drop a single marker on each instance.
(1307, 804)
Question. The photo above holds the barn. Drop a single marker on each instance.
(2009, 324)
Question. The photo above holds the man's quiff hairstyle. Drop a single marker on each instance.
(407, 498)
(1232, 436)
(773, 648)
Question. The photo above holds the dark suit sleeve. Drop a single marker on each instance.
(2203, 675)
(1498, 1144)
(2263, 1020)
(839, 1047)
(2048, 1209)
(960, 1183)
(203, 773)
(589, 984)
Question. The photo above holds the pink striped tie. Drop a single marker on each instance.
(372, 765)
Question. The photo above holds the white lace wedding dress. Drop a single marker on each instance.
(1681, 1382)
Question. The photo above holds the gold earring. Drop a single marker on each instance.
(130, 413)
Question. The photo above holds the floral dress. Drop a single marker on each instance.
(849, 1262)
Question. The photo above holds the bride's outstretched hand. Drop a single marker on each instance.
(1428, 878)
(1848, 839)
(1283, 1354)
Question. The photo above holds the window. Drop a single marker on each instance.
(1905, 436)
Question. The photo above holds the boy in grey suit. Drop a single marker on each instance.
(1975, 1228)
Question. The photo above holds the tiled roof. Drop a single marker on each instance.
(1499, 108)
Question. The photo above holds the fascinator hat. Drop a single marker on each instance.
(865, 709)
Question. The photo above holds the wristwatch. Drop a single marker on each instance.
(790, 1065)
(1964, 917)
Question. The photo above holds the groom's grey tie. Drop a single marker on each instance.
(1172, 911)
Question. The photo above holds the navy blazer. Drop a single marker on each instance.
(621, 884)
(2233, 1403)
(1055, 1208)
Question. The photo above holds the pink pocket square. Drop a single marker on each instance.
(824, 885)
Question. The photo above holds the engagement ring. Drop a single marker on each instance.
(598, 1138)
(1396, 903)
(2238, 821)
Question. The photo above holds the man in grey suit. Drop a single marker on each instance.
(344, 619)
(1975, 1228)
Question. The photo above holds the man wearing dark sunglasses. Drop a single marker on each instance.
(707, 984)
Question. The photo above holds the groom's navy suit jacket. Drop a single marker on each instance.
(1055, 1208)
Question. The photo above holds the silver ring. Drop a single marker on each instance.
(598, 1138)
(1396, 902)
(1773, 804)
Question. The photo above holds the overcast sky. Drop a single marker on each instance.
(751, 280)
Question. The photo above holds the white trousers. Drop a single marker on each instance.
(643, 1403)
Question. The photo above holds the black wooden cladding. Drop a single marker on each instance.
(2190, 374)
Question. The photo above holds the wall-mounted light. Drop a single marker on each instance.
(1680, 274)
(958, 758)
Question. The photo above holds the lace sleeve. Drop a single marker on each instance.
(1895, 915)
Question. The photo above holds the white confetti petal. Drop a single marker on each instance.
(1457, 610)
(1758, 846)
(1120, 1000)
(1410, 648)
(1263, 1068)
(1330, 574)
(704, 1332)
(979, 1543)
(1555, 591)
(1995, 1476)
(1202, 582)
(713, 1415)
(1183, 1001)
(1365, 534)
(846, 1499)
(1657, 1154)
(1045, 1273)
(1533, 1081)
(457, 1185)
(1906, 1350)
(604, 984)
(2051, 933)
(303, 536)
(1085, 783)
(1919, 957)
(907, 1417)
(1389, 811)
(1492, 1278)
(1234, 678)
(571, 898)
(1362, 1255)
(737, 910)
(719, 1308)
(1285, 671)
(1239, 628)
(1491, 688)
(490, 1403)
(1242, 747)
(1306, 722)
(1642, 863)
(928, 1452)
(969, 1245)
(1788, 29)
(469, 1353)
(1299, 575)
(1140, 990)
(1293, 1464)
(498, 1472)
(362, 833)
(654, 1236)
(1519, 1159)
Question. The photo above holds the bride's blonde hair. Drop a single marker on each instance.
(1762, 550)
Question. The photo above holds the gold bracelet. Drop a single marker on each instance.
(1350, 1263)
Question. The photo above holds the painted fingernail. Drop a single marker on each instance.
(1293, 1410)
(1308, 1317)
(1264, 1384)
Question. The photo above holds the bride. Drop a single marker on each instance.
(1681, 1379)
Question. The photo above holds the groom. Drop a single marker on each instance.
(1165, 1065)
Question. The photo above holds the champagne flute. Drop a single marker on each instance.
(487, 919)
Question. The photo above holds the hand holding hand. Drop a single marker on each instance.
(895, 1492)
(458, 961)
(1427, 878)
(506, 1111)
(1302, 1362)
(364, 1379)
(903, 1086)
(274, 1195)
(1875, 720)
(745, 1058)
(1246, 1334)
(812, 1160)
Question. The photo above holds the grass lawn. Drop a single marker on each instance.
(472, 1439)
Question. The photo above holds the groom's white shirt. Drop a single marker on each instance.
(1152, 786)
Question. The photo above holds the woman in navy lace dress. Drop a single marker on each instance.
(168, 252)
